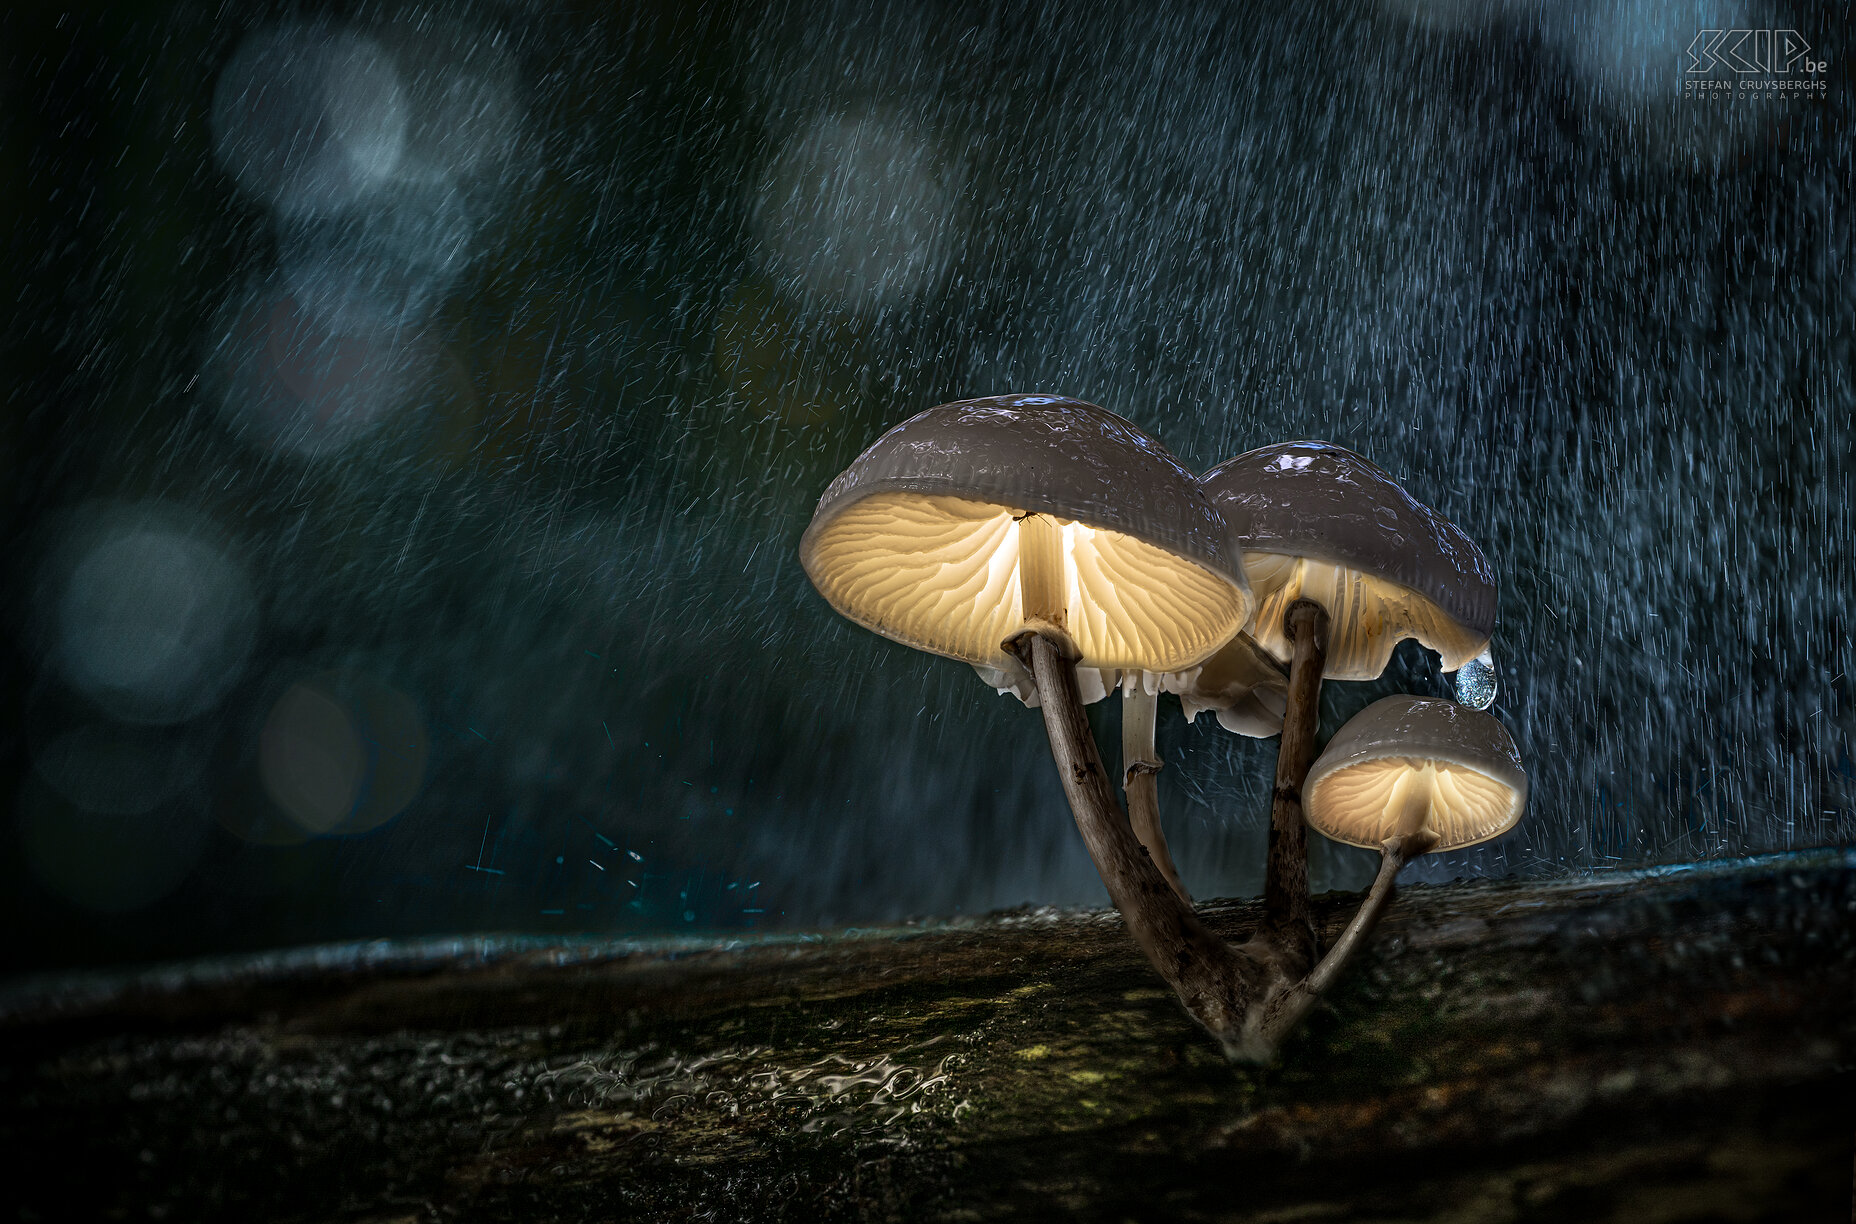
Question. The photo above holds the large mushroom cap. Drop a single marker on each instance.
(1316, 521)
(919, 538)
(1405, 763)
(1241, 684)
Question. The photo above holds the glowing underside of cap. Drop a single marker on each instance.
(941, 573)
(1367, 616)
(1364, 804)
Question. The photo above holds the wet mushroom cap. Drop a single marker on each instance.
(919, 539)
(1314, 520)
(1406, 760)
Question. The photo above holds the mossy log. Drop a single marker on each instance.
(1642, 1047)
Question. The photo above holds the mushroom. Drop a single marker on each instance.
(1318, 522)
(1140, 770)
(1045, 534)
(974, 523)
(1405, 776)
(1345, 564)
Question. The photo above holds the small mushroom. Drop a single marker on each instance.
(1417, 768)
(1405, 776)
(1345, 564)
(1140, 772)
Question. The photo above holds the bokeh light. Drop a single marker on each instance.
(342, 753)
(1635, 49)
(382, 151)
(383, 264)
(860, 206)
(463, 96)
(312, 372)
(1630, 58)
(309, 117)
(148, 616)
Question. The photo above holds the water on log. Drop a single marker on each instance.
(1657, 1046)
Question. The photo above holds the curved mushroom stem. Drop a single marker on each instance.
(1285, 883)
(1247, 996)
(1287, 1010)
(1221, 987)
(1140, 779)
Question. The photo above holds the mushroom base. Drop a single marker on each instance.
(1250, 996)
(1234, 991)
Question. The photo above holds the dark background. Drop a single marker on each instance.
(417, 553)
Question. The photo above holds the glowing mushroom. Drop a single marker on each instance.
(1045, 535)
(1406, 776)
(1317, 522)
(1042, 536)
(1418, 771)
(976, 522)
(1345, 564)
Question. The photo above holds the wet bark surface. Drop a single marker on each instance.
(1657, 1047)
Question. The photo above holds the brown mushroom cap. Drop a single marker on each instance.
(1314, 520)
(1405, 763)
(918, 540)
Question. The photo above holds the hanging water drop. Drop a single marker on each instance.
(1475, 682)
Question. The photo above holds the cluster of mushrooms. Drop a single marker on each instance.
(1066, 555)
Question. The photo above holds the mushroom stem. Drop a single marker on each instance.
(1287, 1010)
(1140, 779)
(1285, 883)
(1042, 574)
(1411, 799)
(1218, 984)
